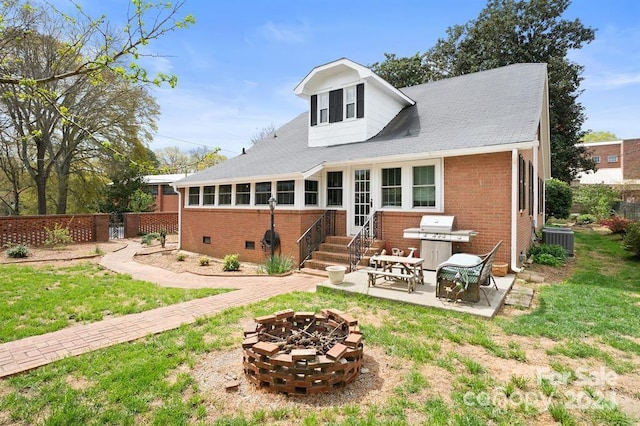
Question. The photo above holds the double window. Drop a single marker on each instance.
(337, 105)
(612, 159)
(596, 159)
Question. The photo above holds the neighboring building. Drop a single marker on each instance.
(618, 165)
(164, 197)
(475, 146)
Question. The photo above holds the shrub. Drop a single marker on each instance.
(278, 265)
(585, 219)
(180, 257)
(231, 262)
(631, 240)
(57, 237)
(149, 238)
(18, 251)
(547, 259)
(203, 261)
(616, 224)
(558, 198)
(548, 254)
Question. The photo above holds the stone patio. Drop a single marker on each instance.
(425, 294)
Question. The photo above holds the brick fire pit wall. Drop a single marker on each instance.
(292, 369)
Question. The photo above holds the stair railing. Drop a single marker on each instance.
(370, 231)
(317, 233)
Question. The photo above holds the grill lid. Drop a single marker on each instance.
(437, 223)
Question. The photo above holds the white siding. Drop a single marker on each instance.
(379, 109)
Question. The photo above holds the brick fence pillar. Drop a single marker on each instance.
(101, 227)
(131, 225)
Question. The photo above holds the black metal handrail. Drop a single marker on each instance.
(317, 233)
(370, 231)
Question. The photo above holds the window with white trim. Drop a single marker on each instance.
(334, 188)
(392, 187)
(224, 195)
(285, 192)
(424, 186)
(209, 195)
(310, 192)
(263, 193)
(194, 196)
(596, 159)
(350, 102)
(323, 111)
(243, 194)
(612, 159)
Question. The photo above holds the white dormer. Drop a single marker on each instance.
(348, 103)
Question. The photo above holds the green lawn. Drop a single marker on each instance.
(41, 300)
(451, 369)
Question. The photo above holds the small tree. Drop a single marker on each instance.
(558, 198)
(597, 200)
(631, 240)
(141, 201)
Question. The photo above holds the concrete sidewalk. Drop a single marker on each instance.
(31, 352)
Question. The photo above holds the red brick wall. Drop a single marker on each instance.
(631, 159)
(31, 230)
(604, 151)
(478, 193)
(145, 223)
(229, 229)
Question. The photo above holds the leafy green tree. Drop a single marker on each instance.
(141, 201)
(559, 199)
(508, 32)
(58, 73)
(599, 137)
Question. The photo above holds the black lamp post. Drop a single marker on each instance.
(272, 206)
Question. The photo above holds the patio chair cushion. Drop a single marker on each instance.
(459, 265)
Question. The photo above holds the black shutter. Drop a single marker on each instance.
(314, 110)
(335, 106)
(360, 100)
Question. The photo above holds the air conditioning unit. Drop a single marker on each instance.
(559, 236)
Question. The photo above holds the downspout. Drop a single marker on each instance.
(179, 217)
(514, 211)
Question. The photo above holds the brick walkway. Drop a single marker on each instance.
(31, 352)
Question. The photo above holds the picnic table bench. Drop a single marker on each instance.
(407, 269)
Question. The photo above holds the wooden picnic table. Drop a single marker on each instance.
(407, 269)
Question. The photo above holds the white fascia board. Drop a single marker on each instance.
(312, 171)
(439, 154)
(246, 179)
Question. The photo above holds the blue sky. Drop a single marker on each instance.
(238, 65)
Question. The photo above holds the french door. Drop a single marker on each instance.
(361, 198)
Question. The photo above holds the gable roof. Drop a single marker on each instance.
(488, 111)
(305, 87)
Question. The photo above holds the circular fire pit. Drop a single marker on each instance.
(303, 352)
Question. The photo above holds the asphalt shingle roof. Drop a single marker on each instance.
(479, 110)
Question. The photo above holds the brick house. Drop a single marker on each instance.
(618, 165)
(475, 147)
(164, 197)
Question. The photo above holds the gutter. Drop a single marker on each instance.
(514, 211)
(179, 218)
